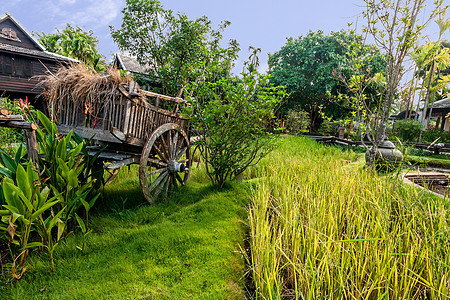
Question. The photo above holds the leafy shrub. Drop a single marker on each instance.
(30, 215)
(329, 127)
(231, 115)
(65, 166)
(24, 212)
(297, 121)
(8, 166)
(432, 134)
(407, 130)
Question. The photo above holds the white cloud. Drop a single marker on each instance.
(11, 4)
(92, 14)
(70, 2)
(97, 13)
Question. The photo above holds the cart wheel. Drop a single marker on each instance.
(165, 161)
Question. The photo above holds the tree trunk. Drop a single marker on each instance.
(314, 119)
(425, 108)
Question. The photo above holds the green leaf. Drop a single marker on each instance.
(51, 221)
(18, 154)
(23, 183)
(35, 244)
(80, 223)
(61, 228)
(46, 122)
(91, 203)
(85, 204)
(9, 163)
(41, 210)
(6, 172)
(10, 192)
(76, 151)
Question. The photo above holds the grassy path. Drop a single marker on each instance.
(185, 248)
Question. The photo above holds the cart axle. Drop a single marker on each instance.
(175, 166)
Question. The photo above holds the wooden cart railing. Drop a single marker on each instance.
(119, 121)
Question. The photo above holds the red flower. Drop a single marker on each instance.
(21, 105)
(28, 103)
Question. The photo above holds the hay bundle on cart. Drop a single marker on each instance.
(138, 126)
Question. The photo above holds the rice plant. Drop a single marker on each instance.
(323, 227)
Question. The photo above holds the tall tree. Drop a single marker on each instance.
(180, 49)
(307, 66)
(76, 43)
(440, 61)
(395, 26)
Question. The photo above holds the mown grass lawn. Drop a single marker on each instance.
(185, 248)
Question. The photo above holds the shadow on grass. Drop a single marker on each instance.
(126, 199)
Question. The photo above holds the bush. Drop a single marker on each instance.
(329, 127)
(231, 115)
(431, 135)
(37, 212)
(407, 131)
(297, 121)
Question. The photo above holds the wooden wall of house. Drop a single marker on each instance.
(19, 74)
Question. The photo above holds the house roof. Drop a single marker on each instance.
(35, 53)
(7, 15)
(401, 115)
(39, 52)
(131, 64)
(444, 103)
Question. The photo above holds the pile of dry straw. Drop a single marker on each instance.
(83, 87)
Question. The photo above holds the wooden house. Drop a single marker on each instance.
(441, 111)
(22, 60)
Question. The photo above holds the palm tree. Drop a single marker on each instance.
(440, 60)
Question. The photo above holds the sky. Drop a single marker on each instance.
(265, 23)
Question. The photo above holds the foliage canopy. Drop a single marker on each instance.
(76, 43)
(179, 50)
(307, 66)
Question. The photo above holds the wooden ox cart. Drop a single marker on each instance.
(138, 127)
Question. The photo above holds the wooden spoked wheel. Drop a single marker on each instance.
(165, 161)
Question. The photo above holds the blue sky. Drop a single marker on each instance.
(265, 24)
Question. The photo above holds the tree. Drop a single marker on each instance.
(307, 66)
(395, 27)
(232, 115)
(76, 43)
(179, 49)
(363, 88)
(440, 60)
(230, 112)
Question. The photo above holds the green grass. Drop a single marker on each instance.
(185, 247)
(324, 227)
(321, 226)
(428, 161)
